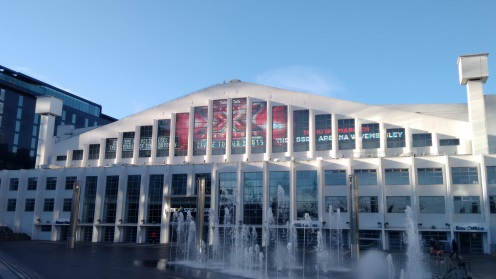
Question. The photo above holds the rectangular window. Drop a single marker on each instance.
(200, 131)
(110, 200)
(14, 184)
(366, 177)
(110, 148)
(301, 130)
(208, 182)
(397, 177)
(279, 196)
(89, 199)
(228, 193)
(182, 125)
(32, 183)
(335, 178)
(422, 140)
(67, 206)
(279, 129)
(346, 134)
(48, 205)
(336, 203)
(492, 204)
(69, 182)
(94, 152)
(51, 183)
(253, 198)
(371, 136)
(395, 137)
(449, 142)
(464, 175)
(219, 127)
(155, 196)
(432, 205)
(397, 204)
(145, 144)
(163, 137)
(61, 158)
(430, 176)
(368, 204)
(467, 204)
(306, 194)
(179, 184)
(323, 132)
(132, 199)
(258, 127)
(29, 206)
(127, 144)
(77, 155)
(11, 204)
(491, 174)
(238, 140)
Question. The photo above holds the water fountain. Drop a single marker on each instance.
(237, 249)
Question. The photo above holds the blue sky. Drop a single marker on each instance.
(132, 55)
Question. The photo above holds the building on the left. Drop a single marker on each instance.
(19, 125)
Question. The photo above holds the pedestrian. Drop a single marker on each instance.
(454, 249)
(154, 237)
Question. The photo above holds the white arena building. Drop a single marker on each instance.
(253, 145)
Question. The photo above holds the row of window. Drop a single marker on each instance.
(398, 204)
(48, 205)
(425, 176)
(323, 137)
(50, 183)
(366, 204)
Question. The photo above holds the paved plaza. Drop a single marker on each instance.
(44, 259)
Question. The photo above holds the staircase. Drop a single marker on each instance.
(7, 234)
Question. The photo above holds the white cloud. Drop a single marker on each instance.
(301, 78)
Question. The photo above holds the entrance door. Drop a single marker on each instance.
(471, 243)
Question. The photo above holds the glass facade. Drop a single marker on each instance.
(258, 127)
(366, 177)
(306, 194)
(228, 193)
(368, 204)
(397, 204)
(335, 178)
(432, 205)
(110, 199)
(467, 204)
(163, 137)
(422, 140)
(371, 137)
(89, 199)
(323, 132)
(94, 152)
(491, 174)
(346, 134)
(430, 176)
(145, 143)
(200, 132)
(219, 127)
(182, 124)
(179, 184)
(301, 130)
(132, 199)
(464, 175)
(127, 144)
(110, 148)
(238, 138)
(279, 196)
(253, 198)
(336, 202)
(395, 137)
(155, 197)
(397, 176)
(279, 129)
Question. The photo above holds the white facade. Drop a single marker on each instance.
(441, 164)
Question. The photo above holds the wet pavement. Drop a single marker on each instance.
(44, 259)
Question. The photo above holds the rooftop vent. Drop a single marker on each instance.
(234, 80)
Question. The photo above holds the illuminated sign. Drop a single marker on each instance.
(145, 144)
(279, 128)
(238, 140)
(200, 131)
(182, 125)
(219, 127)
(127, 144)
(111, 145)
(469, 228)
(301, 131)
(163, 136)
